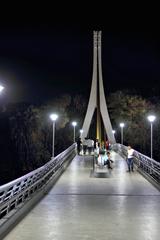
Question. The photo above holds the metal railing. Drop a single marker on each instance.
(147, 165)
(17, 192)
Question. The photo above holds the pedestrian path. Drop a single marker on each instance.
(82, 207)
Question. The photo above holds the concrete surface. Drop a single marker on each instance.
(80, 207)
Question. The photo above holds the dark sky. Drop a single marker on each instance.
(40, 61)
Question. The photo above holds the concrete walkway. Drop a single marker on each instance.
(79, 207)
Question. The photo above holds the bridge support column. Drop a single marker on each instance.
(97, 96)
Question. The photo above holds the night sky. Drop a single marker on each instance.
(41, 61)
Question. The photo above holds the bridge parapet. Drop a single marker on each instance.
(29, 188)
(145, 164)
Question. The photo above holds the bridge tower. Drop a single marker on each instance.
(97, 97)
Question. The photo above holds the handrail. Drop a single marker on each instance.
(147, 165)
(21, 189)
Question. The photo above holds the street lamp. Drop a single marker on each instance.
(53, 117)
(113, 131)
(121, 126)
(151, 119)
(74, 124)
(81, 131)
(1, 88)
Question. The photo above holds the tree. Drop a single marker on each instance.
(132, 110)
(31, 131)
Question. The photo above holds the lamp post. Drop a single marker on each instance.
(74, 124)
(53, 117)
(121, 126)
(81, 131)
(151, 119)
(1, 88)
(113, 131)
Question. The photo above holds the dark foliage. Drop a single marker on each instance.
(26, 130)
(26, 134)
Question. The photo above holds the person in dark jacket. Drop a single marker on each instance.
(79, 146)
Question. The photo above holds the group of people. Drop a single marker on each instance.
(103, 158)
(102, 153)
(89, 145)
(85, 147)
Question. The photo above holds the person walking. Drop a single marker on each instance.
(85, 146)
(110, 161)
(107, 145)
(79, 146)
(130, 153)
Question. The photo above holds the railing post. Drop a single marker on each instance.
(151, 139)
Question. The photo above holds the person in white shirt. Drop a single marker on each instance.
(130, 153)
(90, 146)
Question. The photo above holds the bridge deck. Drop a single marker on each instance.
(121, 206)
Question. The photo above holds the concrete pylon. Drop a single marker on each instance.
(97, 96)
